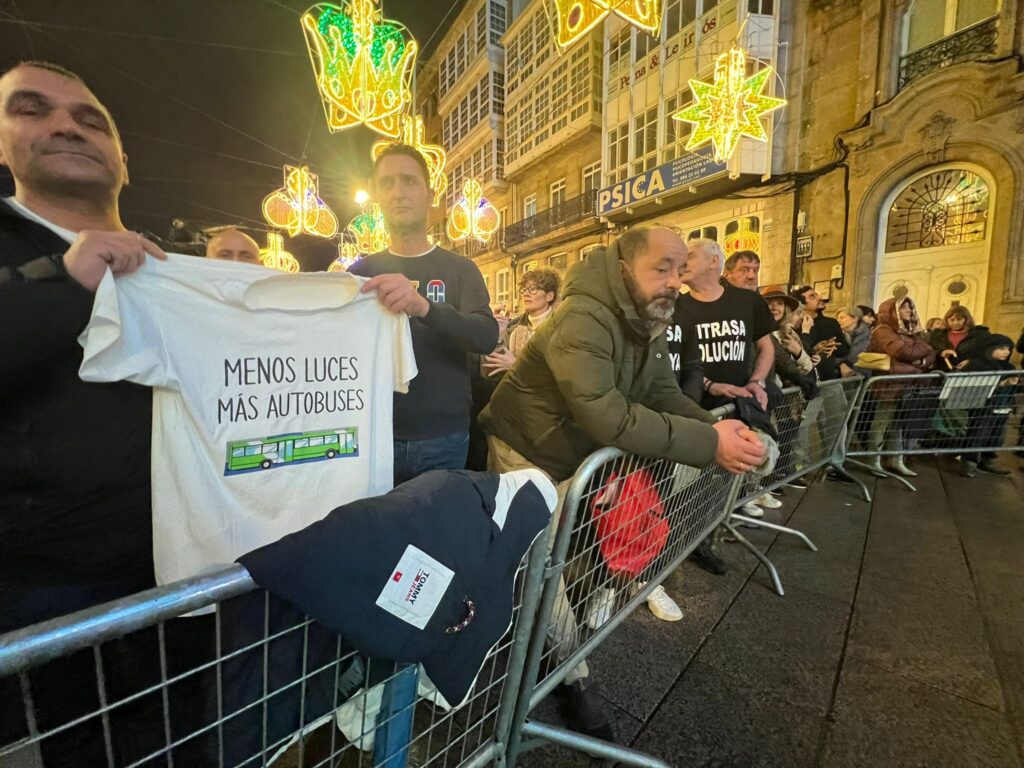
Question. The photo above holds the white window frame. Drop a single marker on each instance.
(644, 141)
(949, 25)
(556, 193)
(503, 286)
(530, 206)
(591, 172)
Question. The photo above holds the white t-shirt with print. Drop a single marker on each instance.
(272, 398)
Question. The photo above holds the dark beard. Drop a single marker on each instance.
(654, 311)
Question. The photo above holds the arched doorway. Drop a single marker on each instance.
(934, 240)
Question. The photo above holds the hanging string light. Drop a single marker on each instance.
(348, 255)
(473, 215)
(297, 208)
(412, 133)
(729, 107)
(574, 18)
(369, 231)
(363, 65)
(276, 257)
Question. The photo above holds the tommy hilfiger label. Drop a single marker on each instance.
(415, 588)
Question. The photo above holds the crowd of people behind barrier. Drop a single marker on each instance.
(613, 355)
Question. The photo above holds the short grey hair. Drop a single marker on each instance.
(707, 245)
(854, 312)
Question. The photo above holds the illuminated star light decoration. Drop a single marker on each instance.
(276, 257)
(412, 134)
(369, 231)
(363, 65)
(348, 255)
(473, 216)
(575, 18)
(297, 208)
(730, 107)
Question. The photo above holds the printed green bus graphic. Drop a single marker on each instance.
(292, 448)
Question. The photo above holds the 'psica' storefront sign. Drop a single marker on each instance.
(681, 172)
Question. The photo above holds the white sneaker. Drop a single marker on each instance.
(600, 608)
(663, 606)
(750, 509)
(768, 501)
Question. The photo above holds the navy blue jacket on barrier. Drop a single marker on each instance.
(425, 573)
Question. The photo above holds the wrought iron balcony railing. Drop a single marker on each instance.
(571, 211)
(969, 44)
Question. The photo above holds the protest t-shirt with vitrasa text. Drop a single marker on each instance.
(272, 398)
(724, 330)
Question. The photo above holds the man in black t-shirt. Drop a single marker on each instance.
(447, 301)
(729, 326)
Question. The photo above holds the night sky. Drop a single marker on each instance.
(211, 97)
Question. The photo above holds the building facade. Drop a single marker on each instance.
(898, 161)
(925, 101)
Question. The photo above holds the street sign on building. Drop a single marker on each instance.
(677, 174)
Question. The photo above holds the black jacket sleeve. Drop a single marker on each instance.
(471, 327)
(40, 323)
(691, 371)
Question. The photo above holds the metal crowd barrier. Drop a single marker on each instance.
(973, 415)
(597, 577)
(812, 437)
(247, 681)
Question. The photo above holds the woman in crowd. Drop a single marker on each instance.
(935, 324)
(986, 425)
(953, 343)
(538, 290)
(792, 368)
(898, 335)
(858, 334)
(791, 359)
(868, 316)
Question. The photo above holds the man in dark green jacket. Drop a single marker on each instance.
(598, 374)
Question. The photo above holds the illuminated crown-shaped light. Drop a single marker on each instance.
(574, 18)
(368, 229)
(412, 134)
(473, 216)
(297, 207)
(744, 239)
(276, 257)
(363, 65)
(348, 255)
(730, 107)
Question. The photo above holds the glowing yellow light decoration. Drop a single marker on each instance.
(347, 256)
(370, 232)
(363, 65)
(574, 18)
(276, 257)
(473, 216)
(729, 107)
(412, 134)
(745, 239)
(297, 207)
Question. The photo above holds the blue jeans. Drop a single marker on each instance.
(414, 457)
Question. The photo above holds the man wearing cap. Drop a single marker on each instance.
(598, 374)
